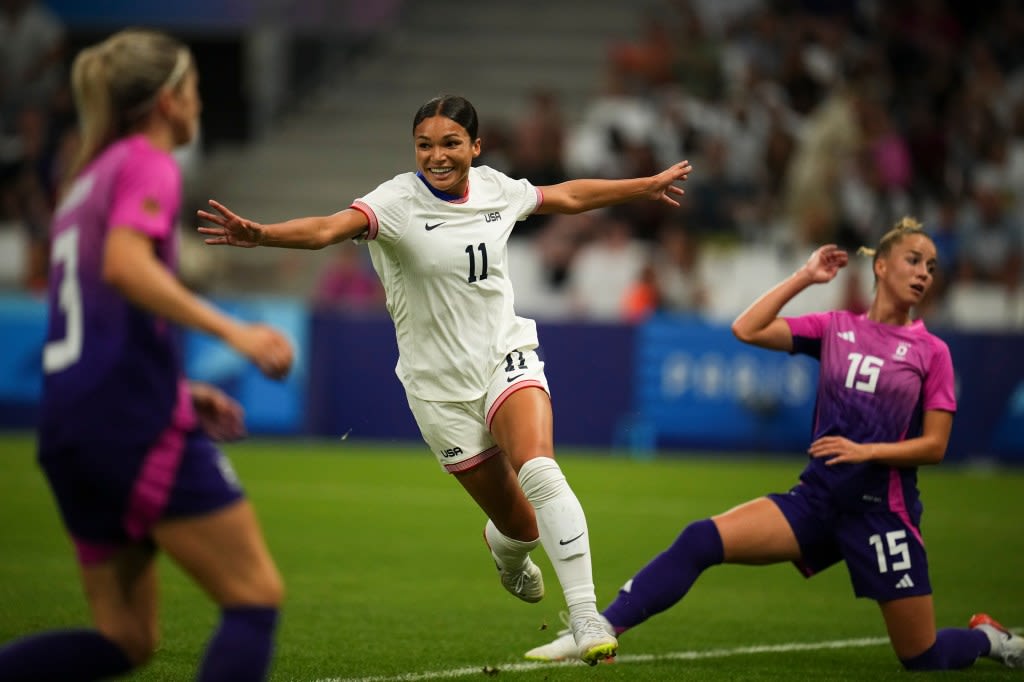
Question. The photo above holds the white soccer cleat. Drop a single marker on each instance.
(562, 648)
(598, 643)
(526, 584)
(1007, 647)
(595, 639)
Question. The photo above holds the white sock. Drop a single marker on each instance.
(995, 639)
(563, 531)
(509, 553)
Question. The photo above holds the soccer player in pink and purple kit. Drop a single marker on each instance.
(885, 406)
(124, 439)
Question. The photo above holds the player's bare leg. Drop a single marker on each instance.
(122, 597)
(511, 530)
(910, 622)
(522, 428)
(757, 533)
(225, 553)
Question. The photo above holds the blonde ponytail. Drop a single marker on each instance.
(117, 82)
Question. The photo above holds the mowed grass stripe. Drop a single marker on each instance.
(387, 574)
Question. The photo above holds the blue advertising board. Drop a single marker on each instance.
(273, 407)
(697, 386)
(669, 383)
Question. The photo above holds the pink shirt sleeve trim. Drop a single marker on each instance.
(371, 218)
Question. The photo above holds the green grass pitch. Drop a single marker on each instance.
(388, 577)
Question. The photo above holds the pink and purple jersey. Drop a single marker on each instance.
(875, 383)
(112, 370)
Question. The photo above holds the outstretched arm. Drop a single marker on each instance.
(760, 324)
(315, 232)
(577, 196)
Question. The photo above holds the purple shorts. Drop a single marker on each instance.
(111, 497)
(884, 554)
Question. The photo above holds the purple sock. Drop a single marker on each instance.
(954, 648)
(62, 655)
(668, 576)
(241, 648)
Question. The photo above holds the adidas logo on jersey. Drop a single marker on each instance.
(846, 336)
(904, 582)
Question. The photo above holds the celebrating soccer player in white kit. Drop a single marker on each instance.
(474, 381)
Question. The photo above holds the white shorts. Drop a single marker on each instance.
(460, 433)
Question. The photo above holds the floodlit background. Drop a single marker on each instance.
(806, 122)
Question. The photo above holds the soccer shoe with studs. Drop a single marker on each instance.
(1007, 647)
(595, 639)
(561, 648)
(526, 583)
(564, 646)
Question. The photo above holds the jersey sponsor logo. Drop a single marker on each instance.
(904, 582)
(511, 379)
(430, 227)
(901, 351)
(847, 336)
(571, 540)
(492, 217)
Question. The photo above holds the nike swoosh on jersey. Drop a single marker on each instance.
(430, 227)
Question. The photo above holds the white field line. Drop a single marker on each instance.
(625, 658)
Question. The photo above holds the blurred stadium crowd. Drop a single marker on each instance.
(807, 121)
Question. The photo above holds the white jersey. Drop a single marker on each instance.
(443, 262)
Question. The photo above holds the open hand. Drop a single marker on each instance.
(825, 263)
(219, 414)
(232, 229)
(842, 450)
(265, 347)
(664, 183)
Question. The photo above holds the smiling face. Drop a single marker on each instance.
(907, 272)
(444, 153)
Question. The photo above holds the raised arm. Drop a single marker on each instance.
(577, 196)
(760, 324)
(314, 232)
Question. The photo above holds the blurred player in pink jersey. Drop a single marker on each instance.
(124, 438)
(885, 405)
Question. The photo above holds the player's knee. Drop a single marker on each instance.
(265, 588)
(701, 541)
(138, 643)
(929, 659)
(274, 591)
(541, 480)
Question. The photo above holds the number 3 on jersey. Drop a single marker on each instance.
(62, 353)
(863, 372)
